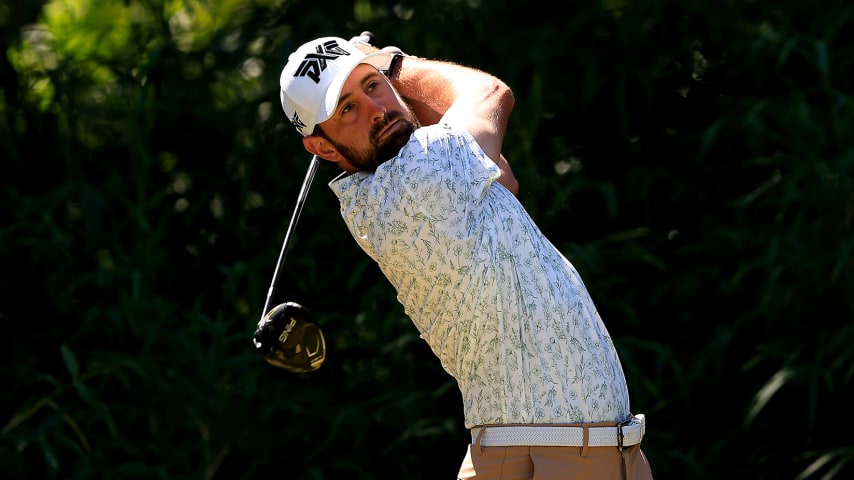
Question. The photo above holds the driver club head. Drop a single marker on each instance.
(289, 338)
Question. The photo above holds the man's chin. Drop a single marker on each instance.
(394, 141)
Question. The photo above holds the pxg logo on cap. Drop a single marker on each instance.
(312, 79)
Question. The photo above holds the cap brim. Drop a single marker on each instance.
(378, 60)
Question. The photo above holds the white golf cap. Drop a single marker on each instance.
(312, 79)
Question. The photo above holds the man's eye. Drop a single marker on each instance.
(372, 86)
(347, 108)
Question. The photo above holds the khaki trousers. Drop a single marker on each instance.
(547, 463)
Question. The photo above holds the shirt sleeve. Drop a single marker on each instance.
(446, 172)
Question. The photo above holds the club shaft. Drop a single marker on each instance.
(303, 193)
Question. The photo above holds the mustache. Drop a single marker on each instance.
(387, 119)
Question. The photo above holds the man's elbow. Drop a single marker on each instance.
(504, 95)
(508, 99)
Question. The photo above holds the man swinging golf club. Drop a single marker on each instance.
(427, 194)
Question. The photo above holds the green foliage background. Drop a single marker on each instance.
(693, 159)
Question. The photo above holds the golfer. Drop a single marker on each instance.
(427, 194)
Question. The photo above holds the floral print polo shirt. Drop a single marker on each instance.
(499, 305)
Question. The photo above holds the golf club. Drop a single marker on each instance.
(303, 193)
(287, 335)
(365, 37)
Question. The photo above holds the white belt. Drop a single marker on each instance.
(560, 436)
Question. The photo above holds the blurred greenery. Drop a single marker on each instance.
(693, 159)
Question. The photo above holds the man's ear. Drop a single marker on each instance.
(317, 145)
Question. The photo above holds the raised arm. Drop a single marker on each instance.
(461, 96)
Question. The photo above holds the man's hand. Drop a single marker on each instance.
(365, 42)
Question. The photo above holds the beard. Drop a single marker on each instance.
(368, 159)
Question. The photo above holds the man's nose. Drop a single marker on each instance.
(377, 112)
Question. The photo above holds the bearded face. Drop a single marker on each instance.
(379, 150)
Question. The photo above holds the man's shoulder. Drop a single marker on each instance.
(440, 129)
(445, 141)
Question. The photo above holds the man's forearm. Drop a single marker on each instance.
(427, 113)
(466, 97)
(430, 87)
(426, 86)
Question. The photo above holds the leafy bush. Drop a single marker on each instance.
(691, 158)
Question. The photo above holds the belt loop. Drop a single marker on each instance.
(480, 433)
(586, 440)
